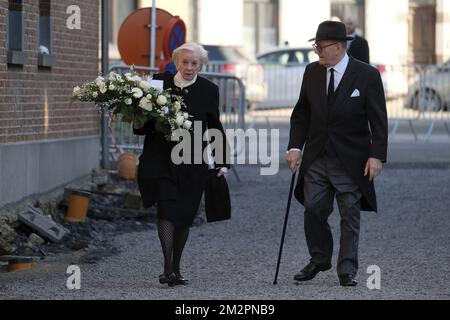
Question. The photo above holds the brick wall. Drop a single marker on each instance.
(35, 102)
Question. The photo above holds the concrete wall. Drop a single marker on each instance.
(387, 30)
(37, 167)
(298, 20)
(220, 22)
(443, 30)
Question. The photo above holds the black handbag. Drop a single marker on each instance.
(217, 197)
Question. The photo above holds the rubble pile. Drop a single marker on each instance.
(114, 208)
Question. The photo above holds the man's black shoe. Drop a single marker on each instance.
(347, 280)
(310, 271)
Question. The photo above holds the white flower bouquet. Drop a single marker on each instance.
(136, 100)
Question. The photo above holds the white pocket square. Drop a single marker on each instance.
(355, 93)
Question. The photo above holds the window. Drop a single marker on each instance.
(118, 11)
(15, 33)
(15, 27)
(260, 25)
(275, 58)
(354, 9)
(45, 57)
(44, 24)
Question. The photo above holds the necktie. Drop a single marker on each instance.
(331, 85)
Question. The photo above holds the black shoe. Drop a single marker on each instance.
(169, 279)
(310, 271)
(180, 280)
(347, 280)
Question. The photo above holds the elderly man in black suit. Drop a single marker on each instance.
(338, 141)
(358, 48)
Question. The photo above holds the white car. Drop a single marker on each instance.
(284, 69)
(230, 59)
(283, 72)
(430, 90)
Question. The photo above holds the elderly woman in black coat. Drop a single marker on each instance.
(177, 188)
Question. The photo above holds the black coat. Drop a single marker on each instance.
(359, 49)
(158, 177)
(345, 124)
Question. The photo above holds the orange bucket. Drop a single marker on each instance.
(127, 166)
(20, 264)
(78, 206)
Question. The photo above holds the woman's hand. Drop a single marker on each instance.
(222, 172)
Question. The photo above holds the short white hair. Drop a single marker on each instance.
(192, 47)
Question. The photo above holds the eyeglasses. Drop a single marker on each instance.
(318, 48)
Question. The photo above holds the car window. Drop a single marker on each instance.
(275, 58)
(218, 53)
(312, 56)
(300, 57)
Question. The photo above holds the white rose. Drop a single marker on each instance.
(180, 121)
(144, 85)
(187, 124)
(149, 96)
(128, 101)
(76, 90)
(137, 93)
(146, 104)
(177, 106)
(102, 87)
(136, 79)
(100, 81)
(185, 115)
(112, 87)
(162, 100)
(95, 94)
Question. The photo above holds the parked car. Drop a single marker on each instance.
(430, 90)
(229, 59)
(283, 72)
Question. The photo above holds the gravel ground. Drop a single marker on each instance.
(408, 240)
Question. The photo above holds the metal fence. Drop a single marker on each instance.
(418, 95)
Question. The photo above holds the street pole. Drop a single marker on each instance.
(152, 35)
(105, 69)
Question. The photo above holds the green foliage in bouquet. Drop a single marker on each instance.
(135, 100)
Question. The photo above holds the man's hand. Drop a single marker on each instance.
(373, 168)
(294, 159)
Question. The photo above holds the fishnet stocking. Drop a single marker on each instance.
(173, 240)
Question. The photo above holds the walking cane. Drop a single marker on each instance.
(285, 225)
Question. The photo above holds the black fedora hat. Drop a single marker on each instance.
(331, 30)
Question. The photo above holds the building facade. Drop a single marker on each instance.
(399, 32)
(47, 47)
